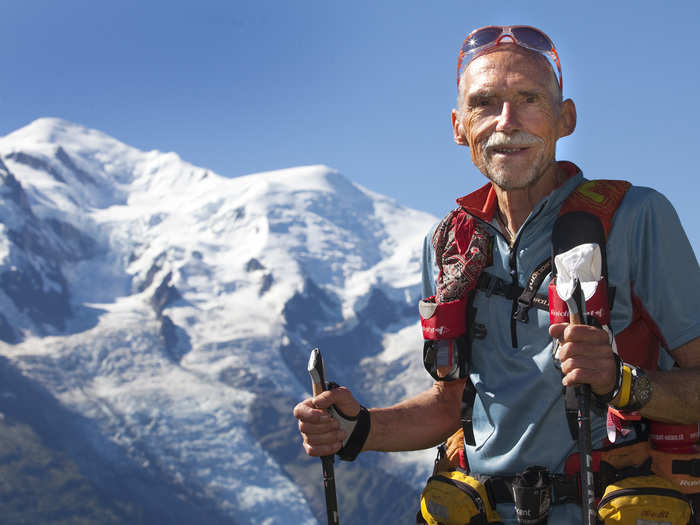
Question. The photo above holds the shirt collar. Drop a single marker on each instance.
(483, 203)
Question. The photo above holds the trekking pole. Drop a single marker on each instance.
(578, 253)
(583, 396)
(318, 383)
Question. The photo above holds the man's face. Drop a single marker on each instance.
(511, 116)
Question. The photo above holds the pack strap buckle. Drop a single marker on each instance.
(564, 488)
(491, 285)
(529, 297)
(689, 467)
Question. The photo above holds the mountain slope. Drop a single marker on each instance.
(172, 311)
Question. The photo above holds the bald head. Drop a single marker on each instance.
(517, 57)
(511, 116)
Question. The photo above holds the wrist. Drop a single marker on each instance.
(357, 428)
(614, 394)
(635, 391)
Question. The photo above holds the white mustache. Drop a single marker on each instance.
(519, 138)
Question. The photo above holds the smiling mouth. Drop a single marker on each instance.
(507, 150)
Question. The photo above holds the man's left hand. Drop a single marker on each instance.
(586, 357)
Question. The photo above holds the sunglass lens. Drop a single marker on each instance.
(532, 38)
(481, 37)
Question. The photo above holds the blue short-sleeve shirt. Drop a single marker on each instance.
(519, 415)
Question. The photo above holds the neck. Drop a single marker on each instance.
(515, 205)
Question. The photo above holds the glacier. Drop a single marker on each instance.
(167, 313)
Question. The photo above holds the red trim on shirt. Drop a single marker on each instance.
(483, 203)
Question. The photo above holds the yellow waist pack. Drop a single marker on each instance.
(452, 497)
(647, 500)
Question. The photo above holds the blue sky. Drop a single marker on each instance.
(365, 87)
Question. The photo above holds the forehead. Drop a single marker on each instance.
(509, 66)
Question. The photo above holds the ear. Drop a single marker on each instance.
(567, 118)
(458, 131)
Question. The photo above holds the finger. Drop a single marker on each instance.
(317, 403)
(324, 400)
(584, 334)
(302, 408)
(598, 374)
(596, 366)
(322, 450)
(308, 411)
(571, 350)
(557, 330)
(581, 376)
(457, 437)
(323, 444)
(325, 438)
(578, 332)
(340, 397)
(311, 428)
(453, 456)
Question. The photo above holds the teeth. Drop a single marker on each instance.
(507, 150)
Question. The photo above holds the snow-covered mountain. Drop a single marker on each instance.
(157, 318)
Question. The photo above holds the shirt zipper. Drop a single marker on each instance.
(513, 263)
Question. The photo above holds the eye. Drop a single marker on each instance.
(481, 102)
(531, 99)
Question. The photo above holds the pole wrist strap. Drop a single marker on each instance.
(352, 445)
(605, 399)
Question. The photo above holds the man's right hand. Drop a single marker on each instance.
(321, 432)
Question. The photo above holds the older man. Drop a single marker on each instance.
(510, 115)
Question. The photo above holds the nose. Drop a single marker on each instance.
(508, 119)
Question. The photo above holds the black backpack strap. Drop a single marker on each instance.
(529, 296)
(468, 397)
(526, 297)
(469, 394)
(571, 406)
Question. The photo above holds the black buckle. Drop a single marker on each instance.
(695, 468)
(491, 285)
(521, 313)
(479, 331)
(565, 489)
(690, 467)
(532, 495)
(510, 291)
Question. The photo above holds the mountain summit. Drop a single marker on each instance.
(167, 313)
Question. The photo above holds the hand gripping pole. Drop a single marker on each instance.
(318, 382)
(579, 269)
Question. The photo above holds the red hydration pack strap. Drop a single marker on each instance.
(639, 343)
(599, 197)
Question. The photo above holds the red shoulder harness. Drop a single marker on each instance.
(639, 343)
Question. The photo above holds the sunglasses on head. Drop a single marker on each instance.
(487, 37)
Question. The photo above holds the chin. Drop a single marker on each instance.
(515, 176)
(509, 181)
